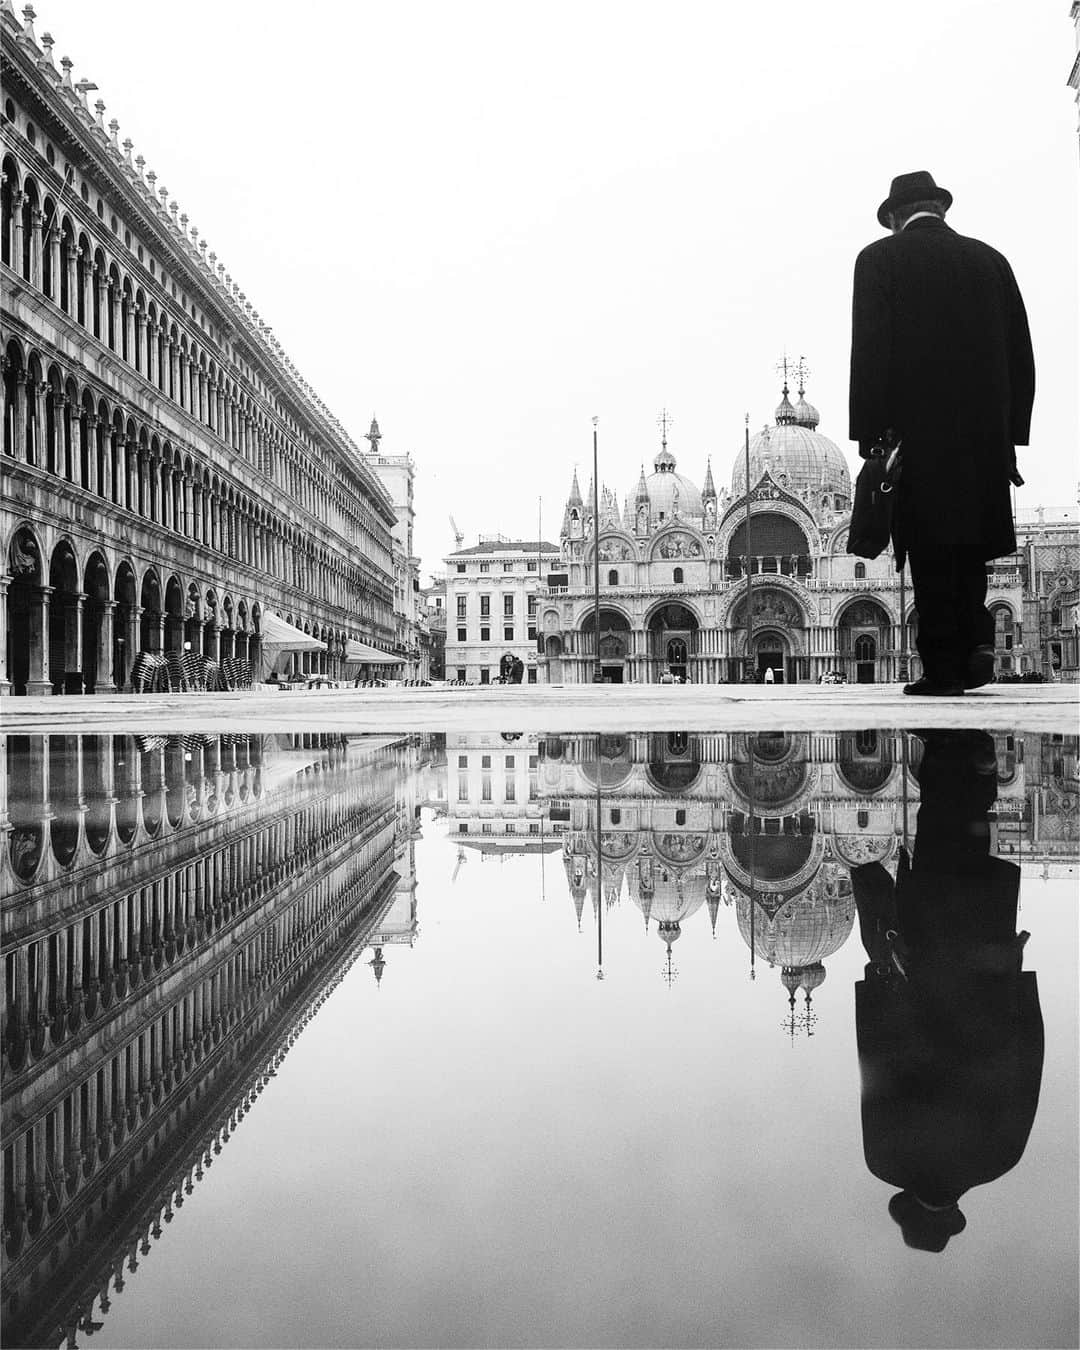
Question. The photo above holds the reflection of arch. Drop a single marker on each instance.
(674, 762)
(607, 759)
(864, 760)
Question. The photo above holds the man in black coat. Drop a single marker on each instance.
(948, 1024)
(941, 361)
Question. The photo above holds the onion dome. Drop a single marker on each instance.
(785, 413)
(797, 456)
(806, 415)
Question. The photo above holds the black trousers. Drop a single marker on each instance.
(950, 596)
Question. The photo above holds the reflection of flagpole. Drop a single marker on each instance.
(599, 872)
(753, 856)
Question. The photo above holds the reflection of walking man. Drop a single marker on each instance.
(948, 1026)
(941, 360)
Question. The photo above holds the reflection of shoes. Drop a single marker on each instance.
(980, 668)
(932, 689)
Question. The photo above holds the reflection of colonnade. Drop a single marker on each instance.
(141, 980)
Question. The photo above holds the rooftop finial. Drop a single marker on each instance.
(782, 368)
(664, 421)
(802, 374)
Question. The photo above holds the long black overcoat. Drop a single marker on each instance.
(941, 353)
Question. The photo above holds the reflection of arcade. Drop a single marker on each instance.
(690, 821)
(174, 910)
(949, 1027)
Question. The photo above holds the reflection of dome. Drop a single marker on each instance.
(663, 484)
(796, 454)
(805, 930)
(665, 893)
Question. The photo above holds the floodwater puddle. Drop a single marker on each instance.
(720, 1039)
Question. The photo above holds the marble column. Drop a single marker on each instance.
(38, 681)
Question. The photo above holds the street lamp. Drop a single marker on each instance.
(598, 670)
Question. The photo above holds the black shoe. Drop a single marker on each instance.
(980, 668)
(932, 689)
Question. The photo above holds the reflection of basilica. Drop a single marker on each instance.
(174, 911)
(769, 823)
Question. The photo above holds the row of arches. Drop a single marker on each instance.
(94, 443)
(75, 624)
(53, 251)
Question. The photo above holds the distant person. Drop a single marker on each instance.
(517, 670)
(941, 365)
(769, 676)
(948, 1024)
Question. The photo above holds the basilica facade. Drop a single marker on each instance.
(676, 559)
(168, 478)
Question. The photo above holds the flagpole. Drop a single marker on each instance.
(598, 670)
(749, 667)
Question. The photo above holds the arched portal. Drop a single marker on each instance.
(97, 627)
(863, 639)
(614, 646)
(673, 631)
(150, 623)
(174, 615)
(65, 618)
(778, 634)
(125, 628)
(778, 545)
(26, 654)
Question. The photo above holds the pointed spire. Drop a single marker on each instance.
(575, 492)
(642, 498)
(373, 435)
(710, 488)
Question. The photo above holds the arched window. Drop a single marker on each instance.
(680, 817)
(863, 818)
(865, 648)
(677, 576)
(860, 571)
(613, 577)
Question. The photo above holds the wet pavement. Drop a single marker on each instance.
(486, 1037)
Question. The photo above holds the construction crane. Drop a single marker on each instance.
(458, 536)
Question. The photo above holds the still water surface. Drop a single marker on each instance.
(336, 1041)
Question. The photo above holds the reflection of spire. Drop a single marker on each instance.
(378, 965)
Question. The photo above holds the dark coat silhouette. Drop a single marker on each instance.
(948, 1025)
(941, 354)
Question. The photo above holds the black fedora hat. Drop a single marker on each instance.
(912, 187)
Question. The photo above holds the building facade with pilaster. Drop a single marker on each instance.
(167, 476)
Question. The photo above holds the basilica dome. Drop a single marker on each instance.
(797, 456)
(666, 489)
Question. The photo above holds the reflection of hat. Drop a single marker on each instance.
(912, 187)
(928, 1229)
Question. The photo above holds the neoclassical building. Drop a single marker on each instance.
(168, 477)
(674, 563)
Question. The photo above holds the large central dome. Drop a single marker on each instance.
(668, 491)
(797, 456)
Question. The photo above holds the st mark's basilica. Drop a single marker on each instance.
(674, 561)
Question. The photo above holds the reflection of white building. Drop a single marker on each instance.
(674, 562)
(492, 798)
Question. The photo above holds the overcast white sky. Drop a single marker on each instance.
(486, 222)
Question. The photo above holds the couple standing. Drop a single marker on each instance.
(941, 361)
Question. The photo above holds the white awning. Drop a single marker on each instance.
(275, 632)
(360, 651)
